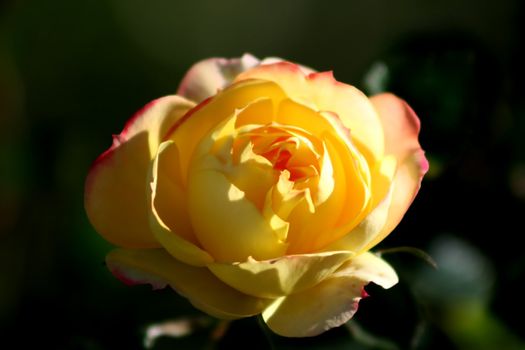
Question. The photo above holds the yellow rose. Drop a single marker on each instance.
(259, 189)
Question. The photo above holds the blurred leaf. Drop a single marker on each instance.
(472, 326)
(458, 295)
(464, 272)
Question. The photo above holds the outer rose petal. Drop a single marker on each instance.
(206, 77)
(332, 302)
(282, 276)
(401, 127)
(116, 197)
(272, 60)
(205, 291)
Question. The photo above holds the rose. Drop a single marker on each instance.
(259, 188)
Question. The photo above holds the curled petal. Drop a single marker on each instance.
(169, 219)
(228, 225)
(282, 276)
(260, 111)
(372, 225)
(343, 186)
(206, 116)
(368, 267)
(226, 222)
(116, 190)
(198, 284)
(332, 302)
(207, 77)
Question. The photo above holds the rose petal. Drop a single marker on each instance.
(260, 112)
(322, 91)
(168, 195)
(196, 124)
(282, 276)
(250, 167)
(228, 225)
(206, 77)
(401, 127)
(332, 302)
(198, 284)
(368, 267)
(169, 218)
(371, 226)
(349, 200)
(405, 186)
(116, 189)
(271, 60)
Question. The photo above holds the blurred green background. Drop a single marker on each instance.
(72, 72)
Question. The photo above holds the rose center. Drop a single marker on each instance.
(286, 149)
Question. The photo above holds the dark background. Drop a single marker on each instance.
(72, 72)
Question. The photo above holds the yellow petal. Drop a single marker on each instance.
(253, 175)
(326, 94)
(332, 302)
(282, 276)
(196, 124)
(346, 207)
(367, 230)
(168, 195)
(225, 220)
(405, 185)
(228, 225)
(368, 267)
(343, 195)
(207, 77)
(358, 238)
(117, 189)
(260, 111)
(169, 217)
(198, 284)
(283, 198)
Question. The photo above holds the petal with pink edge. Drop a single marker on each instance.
(401, 127)
(332, 302)
(206, 77)
(116, 189)
(198, 284)
(272, 60)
